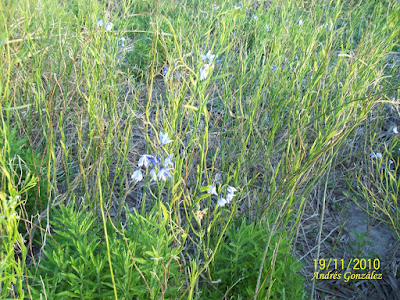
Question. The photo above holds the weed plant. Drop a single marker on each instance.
(266, 97)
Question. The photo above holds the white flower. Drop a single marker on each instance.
(145, 160)
(168, 160)
(255, 17)
(204, 71)
(221, 202)
(109, 26)
(209, 58)
(395, 130)
(153, 174)
(231, 190)
(377, 155)
(229, 197)
(99, 22)
(137, 175)
(212, 190)
(164, 139)
(164, 173)
(300, 22)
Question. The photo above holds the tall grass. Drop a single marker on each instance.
(290, 84)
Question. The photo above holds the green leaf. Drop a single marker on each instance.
(204, 189)
(165, 212)
(17, 107)
(140, 260)
(67, 294)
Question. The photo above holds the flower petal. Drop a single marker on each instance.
(137, 175)
(145, 160)
(231, 190)
(229, 198)
(165, 71)
(221, 202)
(164, 173)
(212, 190)
(164, 139)
(153, 174)
(109, 26)
(168, 160)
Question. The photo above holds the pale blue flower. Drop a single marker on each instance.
(204, 71)
(137, 175)
(255, 17)
(209, 58)
(164, 173)
(168, 160)
(176, 75)
(153, 174)
(231, 190)
(145, 160)
(156, 161)
(109, 26)
(212, 190)
(267, 28)
(99, 22)
(164, 139)
(165, 71)
(274, 68)
(377, 155)
(222, 202)
(229, 197)
(215, 7)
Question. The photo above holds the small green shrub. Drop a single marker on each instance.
(11, 263)
(236, 266)
(23, 163)
(12, 248)
(75, 265)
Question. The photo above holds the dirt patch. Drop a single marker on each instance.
(366, 236)
(348, 232)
